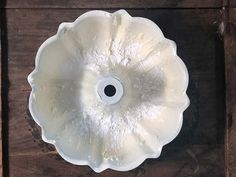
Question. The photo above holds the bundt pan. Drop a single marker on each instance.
(108, 90)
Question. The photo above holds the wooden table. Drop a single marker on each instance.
(205, 33)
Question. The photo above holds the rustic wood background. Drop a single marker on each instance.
(205, 33)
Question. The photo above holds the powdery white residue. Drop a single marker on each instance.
(95, 59)
(97, 119)
(142, 111)
(148, 84)
(121, 54)
(103, 124)
(116, 122)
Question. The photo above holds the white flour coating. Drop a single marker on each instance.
(101, 48)
(123, 55)
(121, 119)
(95, 59)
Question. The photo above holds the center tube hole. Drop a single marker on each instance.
(110, 90)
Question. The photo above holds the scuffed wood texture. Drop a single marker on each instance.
(198, 150)
(230, 68)
(1, 99)
(113, 4)
(232, 3)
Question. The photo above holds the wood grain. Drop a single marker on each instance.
(97, 4)
(230, 70)
(199, 148)
(1, 98)
(3, 104)
(232, 3)
(197, 161)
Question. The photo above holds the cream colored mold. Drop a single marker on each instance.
(141, 109)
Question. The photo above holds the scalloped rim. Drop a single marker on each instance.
(104, 165)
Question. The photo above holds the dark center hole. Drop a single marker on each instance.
(110, 90)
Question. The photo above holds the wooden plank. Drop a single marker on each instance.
(232, 3)
(195, 32)
(1, 154)
(229, 3)
(1, 102)
(197, 161)
(2, 56)
(230, 70)
(113, 4)
(225, 3)
(1, 87)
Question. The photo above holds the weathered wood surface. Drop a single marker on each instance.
(232, 3)
(230, 68)
(113, 4)
(1, 53)
(198, 150)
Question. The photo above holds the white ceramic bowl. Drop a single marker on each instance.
(108, 90)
